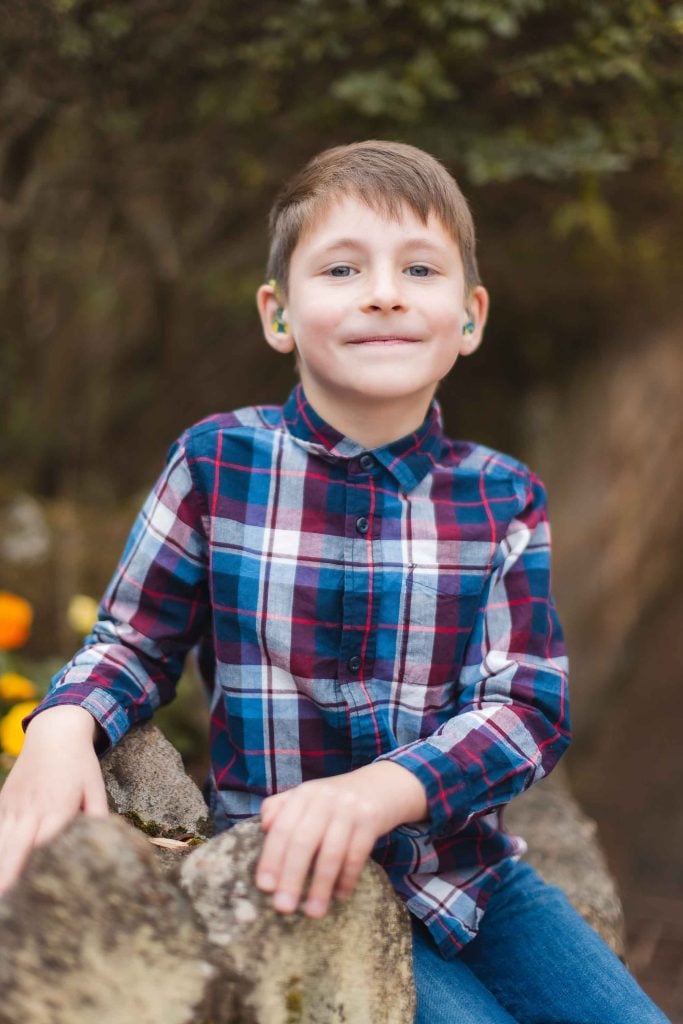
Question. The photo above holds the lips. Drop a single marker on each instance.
(383, 339)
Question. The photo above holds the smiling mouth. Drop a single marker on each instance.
(384, 340)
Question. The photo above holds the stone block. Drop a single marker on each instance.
(94, 932)
(147, 783)
(353, 966)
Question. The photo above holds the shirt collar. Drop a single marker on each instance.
(408, 459)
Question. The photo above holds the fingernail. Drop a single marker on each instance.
(266, 881)
(284, 901)
(315, 908)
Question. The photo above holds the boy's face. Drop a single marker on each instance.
(375, 308)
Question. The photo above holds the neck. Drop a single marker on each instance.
(373, 423)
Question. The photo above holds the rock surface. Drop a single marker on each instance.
(354, 966)
(146, 782)
(93, 932)
(145, 774)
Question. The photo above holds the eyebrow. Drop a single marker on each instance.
(418, 242)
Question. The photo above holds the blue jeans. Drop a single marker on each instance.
(534, 961)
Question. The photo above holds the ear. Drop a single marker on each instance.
(477, 309)
(268, 303)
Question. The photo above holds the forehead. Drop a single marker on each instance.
(349, 216)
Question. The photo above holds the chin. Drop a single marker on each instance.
(391, 388)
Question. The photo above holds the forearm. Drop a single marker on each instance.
(67, 719)
(400, 795)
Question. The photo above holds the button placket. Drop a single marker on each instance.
(355, 595)
(362, 589)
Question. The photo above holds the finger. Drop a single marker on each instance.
(299, 856)
(290, 847)
(358, 852)
(16, 842)
(328, 865)
(272, 855)
(95, 801)
(270, 808)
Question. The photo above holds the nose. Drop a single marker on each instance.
(384, 292)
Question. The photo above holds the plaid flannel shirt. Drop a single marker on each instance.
(349, 606)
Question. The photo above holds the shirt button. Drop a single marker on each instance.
(362, 524)
(366, 461)
(354, 663)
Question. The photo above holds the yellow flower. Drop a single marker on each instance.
(16, 687)
(82, 613)
(16, 616)
(11, 733)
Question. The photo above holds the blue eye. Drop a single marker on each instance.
(342, 270)
(419, 270)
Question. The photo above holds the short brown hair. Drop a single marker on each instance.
(386, 176)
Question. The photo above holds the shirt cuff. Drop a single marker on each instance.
(448, 797)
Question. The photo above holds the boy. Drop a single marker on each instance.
(372, 605)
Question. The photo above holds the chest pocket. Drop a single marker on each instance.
(439, 610)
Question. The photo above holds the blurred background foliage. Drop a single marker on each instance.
(141, 146)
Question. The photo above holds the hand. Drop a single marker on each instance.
(335, 821)
(56, 775)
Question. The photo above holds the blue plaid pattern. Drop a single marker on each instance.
(348, 606)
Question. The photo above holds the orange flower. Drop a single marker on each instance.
(16, 616)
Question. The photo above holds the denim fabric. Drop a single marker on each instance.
(534, 961)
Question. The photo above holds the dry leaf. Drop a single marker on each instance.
(168, 844)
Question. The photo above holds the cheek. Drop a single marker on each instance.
(447, 321)
(319, 317)
(447, 328)
(441, 313)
